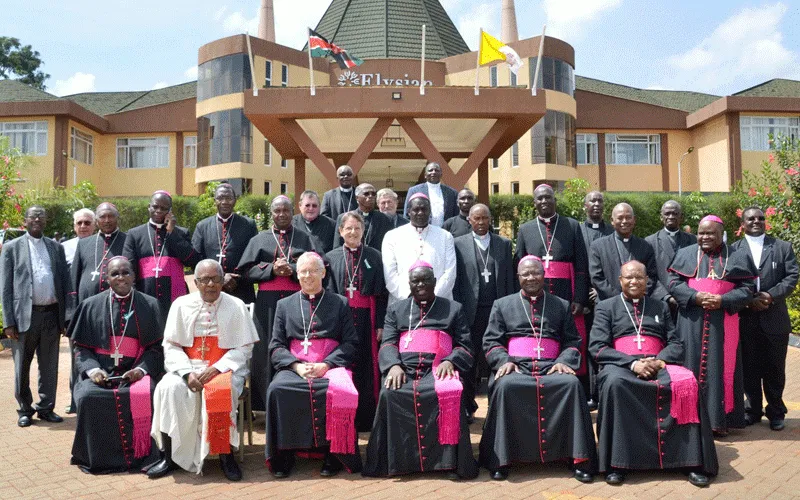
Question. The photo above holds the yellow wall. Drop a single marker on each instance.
(590, 173)
(711, 143)
(85, 172)
(633, 177)
(678, 143)
(112, 181)
(38, 172)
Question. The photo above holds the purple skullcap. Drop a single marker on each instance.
(161, 191)
(528, 258)
(712, 218)
(120, 257)
(543, 185)
(419, 195)
(418, 264)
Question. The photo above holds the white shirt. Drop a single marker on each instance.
(482, 241)
(403, 246)
(70, 247)
(437, 203)
(44, 286)
(756, 244)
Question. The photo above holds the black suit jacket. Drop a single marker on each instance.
(468, 271)
(778, 275)
(604, 264)
(449, 194)
(662, 246)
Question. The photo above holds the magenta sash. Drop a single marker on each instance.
(651, 346)
(341, 400)
(525, 347)
(359, 301)
(129, 347)
(566, 271)
(171, 267)
(448, 391)
(142, 414)
(279, 284)
(730, 331)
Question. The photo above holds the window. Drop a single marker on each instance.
(223, 75)
(29, 137)
(81, 146)
(630, 149)
(224, 137)
(555, 75)
(284, 187)
(284, 75)
(190, 151)
(553, 139)
(268, 187)
(515, 155)
(495, 163)
(267, 153)
(512, 78)
(755, 131)
(493, 76)
(284, 163)
(143, 153)
(587, 149)
(495, 188)
(268, 77)
(515, 188)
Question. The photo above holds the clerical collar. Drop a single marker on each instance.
(420, 230)
(345, 190)
(671, 233)
(156, 225)
(121, 297)
(715, 251)
(365, 214)
(224, 219)
(109, 235)
(309, 221)
(215, 303)
(755, 239)
(356, 249)
(310, 296)
(280, 231)
(532, 299)
(479, 237)
(595, 225)
(620, 238)
(547, 220)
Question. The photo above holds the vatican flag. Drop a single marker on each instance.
(493, 49)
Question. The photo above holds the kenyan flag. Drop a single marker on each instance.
(321, 47)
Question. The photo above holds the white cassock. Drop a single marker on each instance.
(405, 245)
(179, 412)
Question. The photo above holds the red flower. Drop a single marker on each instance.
(789, 202)
(17, 207)
(768, 226)
(752, 192)
(739, 231)
(786, 224)
(770, 211)
(792, 171)
(739, 212)
(771, 158)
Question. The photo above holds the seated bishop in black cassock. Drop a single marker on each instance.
(421, 424)
(650, 415)
(118, 359)
(537, 407)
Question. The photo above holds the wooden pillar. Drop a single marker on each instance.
(734, 148)
(483, 182)
(299, 177)
(664, 162)
(601, 161)
(61, 153)
(179, 163)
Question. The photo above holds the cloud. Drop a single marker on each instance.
(191, 73)
(470, 21)
(292, 30)
(566, 18)
(160, 85)
(76, 84)
(219, 13)
(237, 22)
(745, 49)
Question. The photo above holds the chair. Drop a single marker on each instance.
(246, 406)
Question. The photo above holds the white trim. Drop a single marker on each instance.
(190, 145)
(35, 132)
(78, 136)
(161, 147)
(268, 74)
(616, 145)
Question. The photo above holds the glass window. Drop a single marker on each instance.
(268, 187)
(587, 149)
(267, 153)
(81, 146)
(284, 75)
(29, 137)
(493, 76)
(755, 130)
(553, 139)
(515, 188)
(495, 188)
(284, 187)
(190, 151)
(143, 152)
(555, 75)
(495, 163)
(631, 149)
(515, 155)
(512, 78)
(224, 137)
(268, 77)
(284, 163)
(223, 75)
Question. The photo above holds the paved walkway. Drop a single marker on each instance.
(755, 463)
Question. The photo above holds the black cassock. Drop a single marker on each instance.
(152, 251)
(606, 256)
(457, 226)
(296, 407)
(336, 202)
(256, 263)
(104, 434)
(711, 338)
(225, 241)
(368, 305)
(376, 225)
(635, 427)
(535, 417)
(92, 256)
(405, 437)
(322, 230)
(592, 231)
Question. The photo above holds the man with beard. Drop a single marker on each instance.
(376, 224)
(387, 204)
(118, 356)
(270, 260)
(223, 237)
(533, 349)
(441, 196)
(322, 229)
(341, 199)
(711, 282)
(425, 350)
(459, 225)
(650, 416)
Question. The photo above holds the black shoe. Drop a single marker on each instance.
(229, 467)
(720, 433)
(69, 410)
(24, 421)
(50, 416)
(776, 424)
(470, 417)
(615, 477)
(582, 476)
(500, 474)
(453, 476)
(751, 419)
(280, 473)
(166, 465)
(697, 479)
(330, 467)
(592, 404)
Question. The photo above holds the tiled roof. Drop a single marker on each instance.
(778, 87)
(15, 91)
(106, 103)
(674, 99)
(374, 29)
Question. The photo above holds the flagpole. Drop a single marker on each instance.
(538, 62)
(250, 59)
(478, 64)
(422, 72)
(311, 65)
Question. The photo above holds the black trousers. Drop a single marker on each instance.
(480, 368)
(42, 339)
(589, 381)
(764, 366)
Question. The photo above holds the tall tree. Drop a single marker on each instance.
(21, 62)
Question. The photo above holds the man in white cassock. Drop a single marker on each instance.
(208, 340)
(420, 240)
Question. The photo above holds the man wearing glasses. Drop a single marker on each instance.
(83, 223)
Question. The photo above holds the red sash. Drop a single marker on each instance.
(566, 271)
(217, 394)
(128, 347)
(171, 267)
(525, 347)
(279, 284)
(651, 346)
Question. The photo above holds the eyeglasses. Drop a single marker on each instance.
(83, 223)
(207, 281)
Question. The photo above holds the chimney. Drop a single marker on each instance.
(508, 31)
(266, 21)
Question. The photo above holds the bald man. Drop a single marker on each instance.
(459, 225)
(343, 198)
(443, 198)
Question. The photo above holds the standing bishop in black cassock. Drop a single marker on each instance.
(357, 274)
(321, 228)
(459, 225)
(158, 251)
(711, 283)
(537, 407)
(116, 334)
(223, 237)
(650, 415)
(312, 347)
(376, 223)
(420, 424)
(270, 260)
(341, 199)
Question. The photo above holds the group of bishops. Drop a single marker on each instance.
(346, 319)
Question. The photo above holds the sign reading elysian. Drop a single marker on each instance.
(353, 79)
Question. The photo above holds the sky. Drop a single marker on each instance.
(713, 46)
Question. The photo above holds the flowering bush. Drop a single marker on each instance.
(11, 163)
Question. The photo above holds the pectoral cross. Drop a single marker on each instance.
(546, 259)
(220, 256)
(351, 289)
(539, 350)
(408, 339)
(157, 270)
(203, 350)
(486, 273)
(639, 341)
(94, 274)
(306, 344)
(712, 275)
(116, 357)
